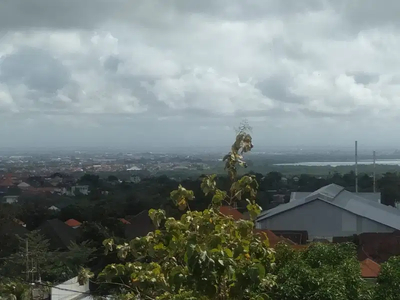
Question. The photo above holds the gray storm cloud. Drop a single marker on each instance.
(303, 72)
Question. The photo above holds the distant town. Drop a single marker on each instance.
(124, 164)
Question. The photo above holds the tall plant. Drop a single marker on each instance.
(204, 254)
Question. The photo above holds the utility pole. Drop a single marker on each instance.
(356, 167)
(374, 155)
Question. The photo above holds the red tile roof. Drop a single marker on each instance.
(73, 223)
(124, 221)
(7, 180)
(273, 239)
(369, 268)
(231, 212)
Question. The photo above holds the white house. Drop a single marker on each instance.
(24, 186)
(10, 199)
(82, 189)
(54, 208)
(332, 211)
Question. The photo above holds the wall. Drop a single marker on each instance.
(321, 219)
(69, 290)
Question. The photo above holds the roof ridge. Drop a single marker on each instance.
(341, 191)
(369, 263)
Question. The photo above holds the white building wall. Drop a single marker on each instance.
(70, 290)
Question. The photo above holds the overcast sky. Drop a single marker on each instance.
(164, 73)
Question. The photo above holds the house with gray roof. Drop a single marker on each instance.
(332, 211)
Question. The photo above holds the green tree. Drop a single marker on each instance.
(322, 271)
(112, 178)
(389, 184)
(31, 259)
(34, 211)
(272, 181)
(14, 290)
(202, 255)
(206, 255)
(388, 283)
(65, 265)
(91, 180)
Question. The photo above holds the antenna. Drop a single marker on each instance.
(356, 167)
(374, 158)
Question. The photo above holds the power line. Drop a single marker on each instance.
(56, 287)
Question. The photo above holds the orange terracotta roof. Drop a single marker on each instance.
(369, 268)
(124, 221)
(231, 212)
(73, 223)
(6, 181)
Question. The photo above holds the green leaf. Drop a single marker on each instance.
(157, 216)
(228, 252)
(254, 210)
(261, 270)
(218, 197)
(159, 246)
(108, 245)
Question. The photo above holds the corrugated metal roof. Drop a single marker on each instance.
(354, 203)
(327, 193)
(375, 197)
(298, 195)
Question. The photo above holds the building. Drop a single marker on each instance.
(73, 223)
(10, 199)
(7, 181)
(77, 189)
(54, 208)
(69, 290)
(331, 211)
(376, 197)
(24, 186)
(124, 221)
(278, 199)
(370, 270)
(231, 212)
(59, 234)
(377, 246)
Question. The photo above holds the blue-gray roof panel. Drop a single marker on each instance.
(354, 203)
